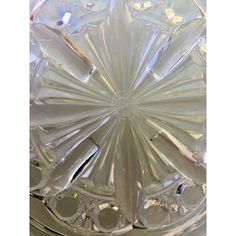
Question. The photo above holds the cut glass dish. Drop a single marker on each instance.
(118, 113)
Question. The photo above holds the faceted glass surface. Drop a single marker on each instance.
(118, 113)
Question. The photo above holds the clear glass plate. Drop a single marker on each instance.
(118, 114)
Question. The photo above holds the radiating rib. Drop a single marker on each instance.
(128, 174)
(54, 135)
(129, 53)
(179, 161)
(51, 135)
(177, 154)
(181, 44)
(56, 114)
(55, 93)
(134, 47)
(117, 56)
(49, 76)
(99, 174)
(52, 45)
(188, 123)
(104, 45)
(69, 161)
(187, 107)
(147, 133)
(59, 179)
(154, 42)
(188, 137)
(62, 148)
(92, 42)
(154, 170)
(187, 75)
(183, 95)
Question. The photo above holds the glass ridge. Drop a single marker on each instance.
(118, 113)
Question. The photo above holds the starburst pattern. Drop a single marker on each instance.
(118, 98)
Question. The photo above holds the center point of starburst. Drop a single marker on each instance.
(123, 105)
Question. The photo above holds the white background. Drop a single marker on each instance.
(14, 118)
